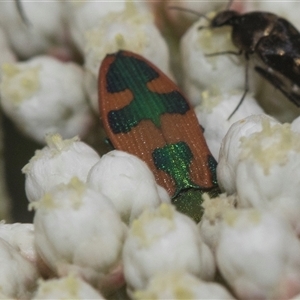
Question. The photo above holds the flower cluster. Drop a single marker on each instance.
(103, 228)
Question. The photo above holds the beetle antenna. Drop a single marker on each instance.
(189, 11)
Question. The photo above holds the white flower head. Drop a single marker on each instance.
(17, 276)
(178, 285)
(77, 228)
(44, 95)
(161, 240)
(57, 163)
(268, 172)
(181, 19)
(216, 108)
(46, 28)
(69, 287)
(230, 149)
(21, 237)
(212, 218)
(126, 30)
(84, 15)
(258, 254)
(128, 182)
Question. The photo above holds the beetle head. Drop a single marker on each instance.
(223, 18)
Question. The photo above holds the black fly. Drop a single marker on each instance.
(273, 40)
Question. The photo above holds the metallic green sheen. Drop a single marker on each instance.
(128, 72)
(175, 160)
(190, 202)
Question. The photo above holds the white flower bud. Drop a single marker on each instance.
(182, 18)
(161, 240)
(127, 181)
(268, 171)
(219, 72)
(126, 30)
(230, 149)
(178, 285)
(259, 255)
(21, 237)
(211, 220)
(45, 28)
(69, 287)
(78, 229)
(44, 95)
(57, 163)
(214, 111)
(83, 15)
(17, 274)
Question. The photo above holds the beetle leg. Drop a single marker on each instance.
(246, 89)
(225, 52)
(203, 27)
(278, 82)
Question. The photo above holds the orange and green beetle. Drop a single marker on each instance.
(145, 114)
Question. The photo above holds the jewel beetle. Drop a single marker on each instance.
(273, 40)
(144, 113)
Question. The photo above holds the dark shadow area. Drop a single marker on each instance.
(17, 152)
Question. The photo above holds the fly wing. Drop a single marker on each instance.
(286, 86)
(280, 51)
(144, 113)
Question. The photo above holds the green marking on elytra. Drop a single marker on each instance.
(127, 72)
(189, 202)
(175, 160)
